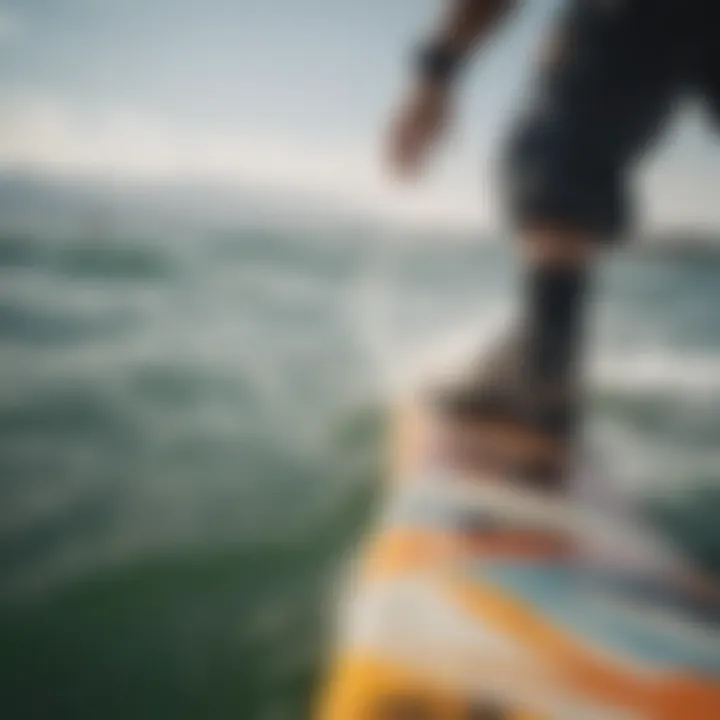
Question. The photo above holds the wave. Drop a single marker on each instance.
(99, 258)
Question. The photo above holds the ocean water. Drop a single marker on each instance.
(192, 441)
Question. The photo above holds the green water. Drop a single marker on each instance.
(190, 444)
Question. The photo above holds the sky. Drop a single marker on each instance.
(288, 95)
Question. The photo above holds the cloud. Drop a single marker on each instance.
(50, 137)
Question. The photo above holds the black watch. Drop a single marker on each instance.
(438, 62)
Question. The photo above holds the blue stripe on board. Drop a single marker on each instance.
(612, 614)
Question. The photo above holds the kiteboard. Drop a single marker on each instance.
(474, 599)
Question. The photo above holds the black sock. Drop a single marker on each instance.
(555, 310)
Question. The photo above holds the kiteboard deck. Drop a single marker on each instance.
(470, 600)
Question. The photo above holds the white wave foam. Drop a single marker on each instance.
(658, 371)
(635, 372)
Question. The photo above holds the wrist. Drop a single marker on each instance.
(438, 63)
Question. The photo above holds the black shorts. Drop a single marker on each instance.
(613, 73)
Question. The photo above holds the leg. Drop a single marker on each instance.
(706, 76)
(557, 264)
(601, 98)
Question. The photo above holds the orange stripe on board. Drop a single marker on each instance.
(585, 670)
(402, 551)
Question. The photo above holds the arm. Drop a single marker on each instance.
(424, 115)
(466, 23)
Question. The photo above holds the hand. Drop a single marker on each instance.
(422, 122)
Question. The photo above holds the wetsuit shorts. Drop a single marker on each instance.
(612, 72)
